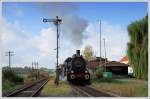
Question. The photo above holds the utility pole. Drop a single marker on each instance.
(38, 70)
(35, 65)
(105, 53)
(32, 67)
(9, 54)
(100, 44)
(57, 22)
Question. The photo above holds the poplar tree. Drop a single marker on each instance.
(138, 47)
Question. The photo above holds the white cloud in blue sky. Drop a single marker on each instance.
(116, 39)
(31, 40)
(41, 47)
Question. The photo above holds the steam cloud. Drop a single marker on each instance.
(72, 25)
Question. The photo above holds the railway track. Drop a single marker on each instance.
(31, 90)
(88, 91)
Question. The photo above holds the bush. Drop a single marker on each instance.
(11, 76)
(99, 72)
(93, 78)
(101, 76)
(29, 80)
(7, 84)
(18, 79)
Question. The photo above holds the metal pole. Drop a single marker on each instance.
(57, 74)
(105, 54)
(38, 70)
(35, 70)
(100, 43)
(32, 67)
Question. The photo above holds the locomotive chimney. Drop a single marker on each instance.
(78, 52)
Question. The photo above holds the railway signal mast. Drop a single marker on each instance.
(57, 22)
(9, 54)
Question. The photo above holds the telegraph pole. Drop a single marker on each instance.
(37, 69)
(57, 22)
(35, 65)
(32, 67)
(9, 54)
(105, 53)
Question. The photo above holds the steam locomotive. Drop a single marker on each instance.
(75, 69)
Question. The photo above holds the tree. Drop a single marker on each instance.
(88, 52)
(138, 47)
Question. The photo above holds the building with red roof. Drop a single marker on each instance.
(115, 67)
(125, 60)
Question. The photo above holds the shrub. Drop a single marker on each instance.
(18, 79)
(99, 72)
(7, 84)
(11, 76)
(93, 78)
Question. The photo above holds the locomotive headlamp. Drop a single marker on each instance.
(86, 71)
(86, 76)
(72, 71)
(72, 76)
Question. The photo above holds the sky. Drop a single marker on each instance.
(31, 40)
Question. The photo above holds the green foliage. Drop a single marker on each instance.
(99, 72)
(98, 76)
(10, 80)
(7, 84)
(88, 52)
(11, 76)
(95, 79)
(138, 47)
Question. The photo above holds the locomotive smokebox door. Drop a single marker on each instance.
(78, 52)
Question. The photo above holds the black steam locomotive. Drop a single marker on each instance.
(75, 69)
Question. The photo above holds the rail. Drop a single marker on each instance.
(88, 91)
(30, 90)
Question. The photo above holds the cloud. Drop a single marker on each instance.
(28, 48)
(46, 41)
(41, 47)
(116, 39)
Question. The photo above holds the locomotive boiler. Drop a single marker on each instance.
(75, 69)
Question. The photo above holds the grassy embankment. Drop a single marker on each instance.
(12, 82)
(50, 89)
(123, 88)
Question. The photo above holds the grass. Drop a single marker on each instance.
(8, 86)
(50, 89)
(124, 88)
